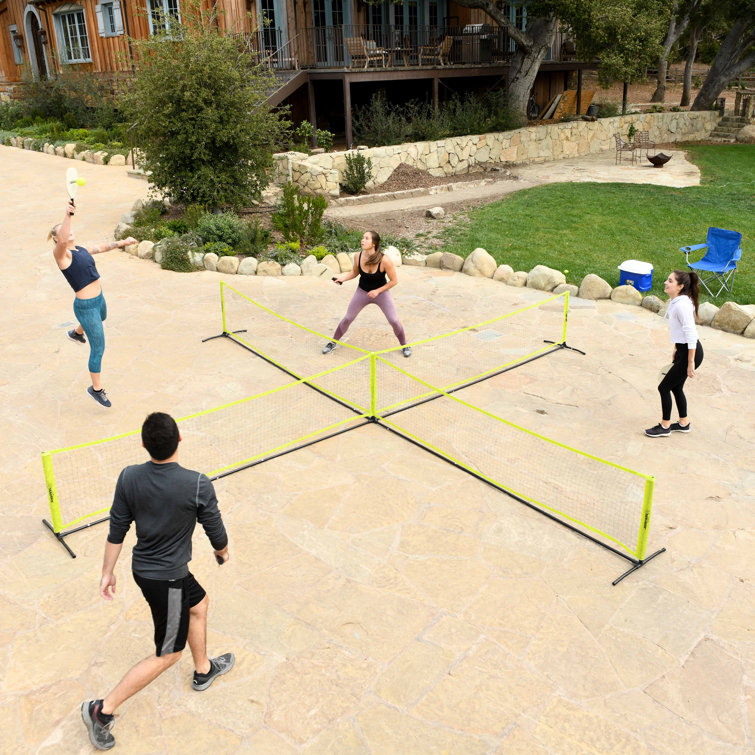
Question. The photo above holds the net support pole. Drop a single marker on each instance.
(52, 492)
(373, 386)
(647, 505)
(566, 315)
(222, 307)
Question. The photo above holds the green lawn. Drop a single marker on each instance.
(592, 228)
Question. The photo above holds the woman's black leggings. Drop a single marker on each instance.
(675, 378)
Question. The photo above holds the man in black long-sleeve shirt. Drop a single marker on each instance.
(165, 501)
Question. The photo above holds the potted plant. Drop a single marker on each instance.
(631, 132)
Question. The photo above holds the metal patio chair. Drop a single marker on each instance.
(622, 147)
(719, 264)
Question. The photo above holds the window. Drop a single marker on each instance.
(164, 16)
(109, 18)
(71, 27)
(18, 57)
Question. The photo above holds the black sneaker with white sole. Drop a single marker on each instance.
(99, 729)
(74, 336)
(99, 396)
(329, 346)
(659, 431)
(218, 666)
(407, 351)
(677, 428)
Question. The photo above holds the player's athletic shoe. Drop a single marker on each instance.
(74, 336)
(218, 666)
(407, 351)
(659, 431)
(99, 732)
(99, 396)
(329, 346)
(677, 428)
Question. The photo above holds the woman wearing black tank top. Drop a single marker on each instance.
(377, 275)
(77, 265)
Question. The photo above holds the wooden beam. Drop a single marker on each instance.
(579, 91)
(312, 111)
(347, 112)
(435, 93)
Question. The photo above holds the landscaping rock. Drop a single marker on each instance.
(291, 269)
(268, 267)
(594, 287)
(435, 212)
(433, 260)
(626, 295)
(210, 262)
(98, 158)
(131, 249)
(749, 331)
(746, 135)
(69, 150)
(414, 259)
(562, 287)
(158, 251)
(127, 218)
(228, 265)
(706, 312)
(247, 266)
(653, 303)
(121, 229)
(518, 279)
(663, 309)
(308, 264)
(60, 151)
(144, 250)
(394, 254)
(117, 160)
(545, 278)
(197, 258)
(331, 263)
(344, 262)
(732, 318)
(137, 206)
(449, 261)
(502, 272)
(479, 264)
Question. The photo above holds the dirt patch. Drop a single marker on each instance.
(410, 177)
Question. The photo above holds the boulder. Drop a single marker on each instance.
(747, 135)
(653, 303)
(121, 230)
(127, 218)
(562, 287)
(60, 151)
(138, 205)
(518, 279)
(247, 266)
(435, 212)
(626, 295)
(228, 265)
(414, 259)
(308, 264)
(503, 272)
(732, 318)
(117, 160)
(268, 267)
(449, 261)
(131, 249)
(433, 260)
(331, 263)
(69, 150)
(144, 250)
(545, 278)
(663, 309)
(594, 287)
(749, 331)
(197, 259)
(158, 251)
(479, 264)
(291, 269)
(210, 262)
(706, 312)
(344, 262)
(98, 158)
(394, 254)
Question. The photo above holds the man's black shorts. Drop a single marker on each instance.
(170, 601)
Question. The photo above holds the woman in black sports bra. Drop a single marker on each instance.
(89, 306)
(377, 275)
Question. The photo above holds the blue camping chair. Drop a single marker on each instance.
(719, 264)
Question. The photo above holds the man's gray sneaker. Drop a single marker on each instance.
(677, 428)
(99, 396)
(74, 336)
(329, 346)
(218, 666)
(99, 733)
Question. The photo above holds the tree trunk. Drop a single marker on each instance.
(659, 95)
(526, 63)
(676, 27)
(730, 61)
(624, 97)
(694, 38)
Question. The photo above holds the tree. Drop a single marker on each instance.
(735, 55)
(679, 19)
(199, 113)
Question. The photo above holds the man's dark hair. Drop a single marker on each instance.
(160, 435)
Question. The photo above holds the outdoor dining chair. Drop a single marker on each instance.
(365, 50)
(437, 53)
(719, 264)
(623, 147)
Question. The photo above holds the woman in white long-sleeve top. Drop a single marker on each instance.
(683, 289)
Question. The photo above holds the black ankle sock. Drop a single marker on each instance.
(96, 710)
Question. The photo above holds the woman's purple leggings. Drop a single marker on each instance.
(359, 301)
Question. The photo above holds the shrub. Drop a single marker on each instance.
(298, 216)
(325, 139)
(220, 248)
(198, 105)
(225, 226)
(319, 252)
(176, 253)
(150, 214)
(303, 134)
(608, 110)
(192, 214)
(338, 238)
(178, 226)
(254, 238)
(357, 173)
(284, 254)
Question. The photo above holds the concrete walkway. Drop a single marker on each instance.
(378, 600)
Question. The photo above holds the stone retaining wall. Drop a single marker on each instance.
(98, 157)
(473, 154)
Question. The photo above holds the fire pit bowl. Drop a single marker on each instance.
(659, 160)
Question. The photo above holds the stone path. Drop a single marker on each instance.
(378, 600)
